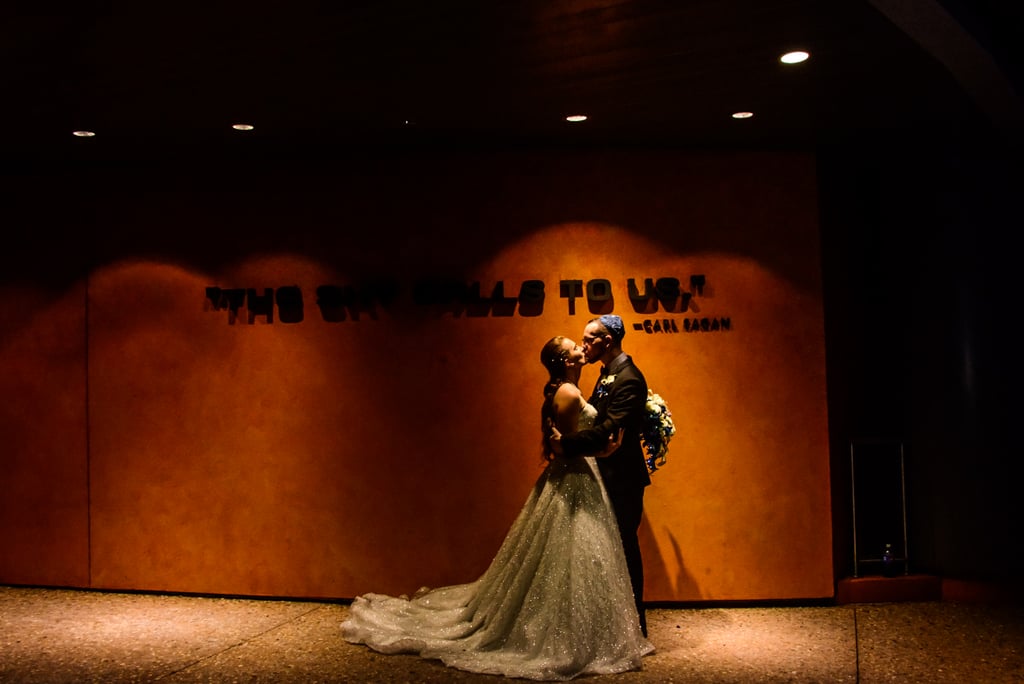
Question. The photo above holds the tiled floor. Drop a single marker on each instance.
(50, 635)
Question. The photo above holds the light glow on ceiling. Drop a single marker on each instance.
(742, 115)
(794, 57)
(84, 134)
(242, 127)
(576, 118)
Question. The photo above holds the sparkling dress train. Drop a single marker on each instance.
(554, 604)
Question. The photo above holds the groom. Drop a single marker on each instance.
(620, 397)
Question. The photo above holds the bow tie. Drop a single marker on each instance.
(604, 371)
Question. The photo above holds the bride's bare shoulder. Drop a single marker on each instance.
(567, 391)
(568, 398)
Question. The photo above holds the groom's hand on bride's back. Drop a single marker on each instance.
(555, 440)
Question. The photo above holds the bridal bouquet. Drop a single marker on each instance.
(658, 430)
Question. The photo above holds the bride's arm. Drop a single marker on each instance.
(568, 402)
(614, 442)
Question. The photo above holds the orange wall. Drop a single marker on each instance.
(44, 516)
(392, 449)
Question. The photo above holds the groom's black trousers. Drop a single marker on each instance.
(629, 510)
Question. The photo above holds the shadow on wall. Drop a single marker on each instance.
(660, 573)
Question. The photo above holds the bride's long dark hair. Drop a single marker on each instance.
(552, 357)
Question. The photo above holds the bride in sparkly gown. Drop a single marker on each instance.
(556, 601)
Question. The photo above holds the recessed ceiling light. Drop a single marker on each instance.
(576, 118)
(242, 127)
(794, 57)
(742, 115)
(83, 134)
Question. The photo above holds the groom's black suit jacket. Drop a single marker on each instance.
(620, 402)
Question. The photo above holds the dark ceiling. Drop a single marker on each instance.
(312, 77)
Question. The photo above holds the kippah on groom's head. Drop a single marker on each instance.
(613, 324)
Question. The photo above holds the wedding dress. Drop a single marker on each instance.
(554, 604)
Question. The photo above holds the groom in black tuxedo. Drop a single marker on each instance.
(620, 397)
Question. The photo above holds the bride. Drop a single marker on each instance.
(556, 601)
